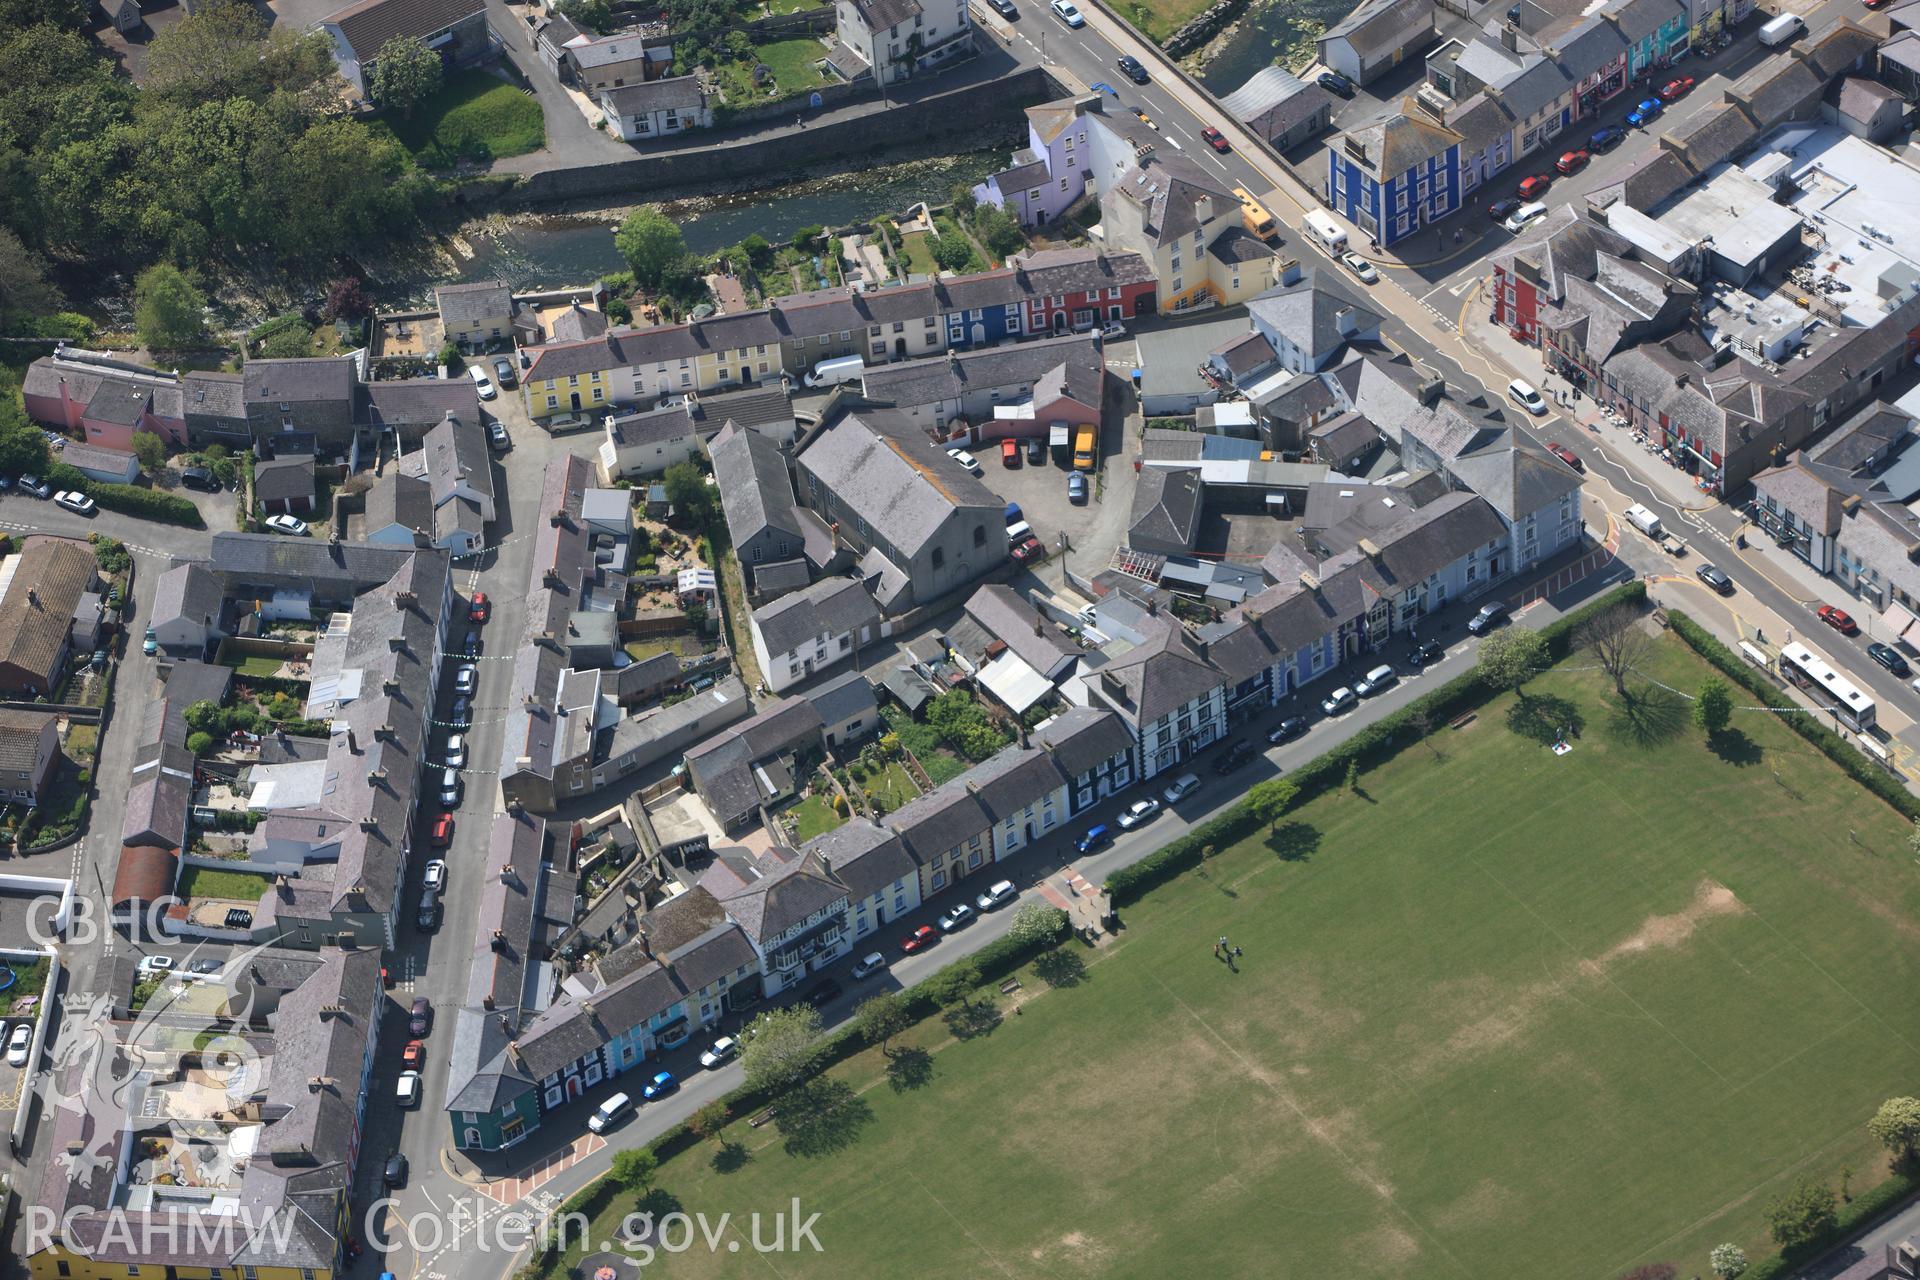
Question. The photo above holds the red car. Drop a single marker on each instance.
(1567, 456)
(1674, 89)
(1535, 186)
(1572, 161)
(1009, 452)
(919, 940)
(1029, 549)
(443, 830)
(413, 1055)
(1840, 620)
(479, 607)
(1215, 139)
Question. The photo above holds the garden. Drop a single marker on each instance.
(793, 69)
(476, 116)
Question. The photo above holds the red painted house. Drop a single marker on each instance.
(1069, 289)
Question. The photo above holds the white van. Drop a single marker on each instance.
(1782, 29)
(610, 1113)
(837, 370)
(1643, 520)
(1018, 532)
(407, 1092)
(1329, 233)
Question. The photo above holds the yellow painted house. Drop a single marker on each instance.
(1188, 226)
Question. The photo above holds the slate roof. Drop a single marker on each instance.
(474, 302)
(1006, 616)
(302, 379)
(1166, 510)
(1480, 123)
(1377, 26)
(755, 492)
(188, 591)
(842, 698)
(421, 402)
(403, 500)
(951, 376)
(119, 402)
(862, 855)
(673, 93)
(281, 479)
(1309, 313)
(883, 468)
(659, 425)
(371, 23)
(771, 906)
(944, 818)
(722, 766)
(1399, 143)
(879, 15)
(456, 455)
(1168, 189)
(830, 607)
(1156, 677)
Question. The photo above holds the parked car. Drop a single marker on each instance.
(660, 1086)
(1009, 452)
(997, 895)
(1715, 579)
(1238, 752)
(1606, 138)
(965, 459)
(1889, 658)
(482, 383)
(1036, 451)
(956, 917)
(723, 1050)
(395, 1174)
(503, 371)
(1005, 8)
(497, 436)
(1135, 71)
(1341, 700)
(1525, 216)
(1138, 812)
(1067, 12)
(434, 874)
(1427, 651)
(479, 609)
(1287, 730)
(427, 918)
(450, 787)
(19, 1044)
(1646, 113)
(1491, 615)
(1334, 82)
(1502, 209)
(1092, 838)
(1028, 549)
(442, 831)
(1839, 619)
(199, 478)
(1524, 395)
(1567, 456)
(150, 965)
(1183, 786)
(1571, 162)
(1378, 680)
(414, 1055)
(36, 486)
(822, 993)
(466, 677)
(868, 965)
(74, 501)
(456, 755)
(292, 526)
(1215, 139)
(1076, 486)
(1677, 88)
(1533, 186)
(420, 1016)
(406, 1090)
(920, 939)
(1360, 267)
(471, 649)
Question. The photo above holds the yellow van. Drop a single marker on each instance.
(1254, 215)
(1086, 448)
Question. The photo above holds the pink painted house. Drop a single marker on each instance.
(102, 400)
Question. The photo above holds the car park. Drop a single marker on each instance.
(920, 939)
(434, 875)
(1067, 12)
(868, 965)
(443, 830)
(482, 383)
(1378, 680)
(1839, 619)
(1287, 730)
(292, 526)
(1238, 752)
(503, 371)
(74, 501)
(723, 1050)
(395, 1174)
(479, 608)
(1890, 658)
(1138, 812)
(1606, 138)
(20, 1044)
(1571, 162)
(1715, 579)
(1076, 486)
(1092, 838)
(1338, 702)
(1334, 82)
(1215, 139)
(1425, 653)
(1677, 88)
(1183, 786)
(1524, 395)
(1646, 113)
(662, 1084)
(1505, 207)
(406, 1090)
(822, 993)
(1534, 186)
(420, 1016)
(1134, 69)
(1491, 615)
(456, 754)
(497, 436)
(1567, 456)
(997, 895)
(1360, 268)
(958, 916)
(1525, 216)
(413, 1055)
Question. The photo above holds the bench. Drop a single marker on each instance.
(1462, 721)
(1010, 986)
(765, 1117)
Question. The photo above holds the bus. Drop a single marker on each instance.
(1828, 687)
(1254, 215)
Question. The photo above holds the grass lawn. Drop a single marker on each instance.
(27, 981)
(892, 786)
(254, 664)
(917, 251)
(82, 741)
(941, 765)
(793, 63)
(1503, 1014)
(475, 116)
(812, 817)
(685, 646)
(216, 882)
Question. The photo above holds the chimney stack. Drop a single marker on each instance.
(1290, 272)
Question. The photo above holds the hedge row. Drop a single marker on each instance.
(1853, 1218)
(127, 499)
(1831, 744)
(1372, 745)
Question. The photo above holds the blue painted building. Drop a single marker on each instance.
(1393, 178)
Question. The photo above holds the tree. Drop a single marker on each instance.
(618, 311)
(23, 450)
(688, 491)
(204, 715)
(1035, 924)
(1896, 1126)
(651, 244)
(16, 14)
(288, 342)
(709, 1120)
(168, 312)
(1617, 642)
(634, 1168)
(780, 1048)
(1352, 783)
(589, 15)
(881, 1018)
(1805, 1212)
(405, 74)
(24, 291)
(954, 984)
(199, 744)
(1729, 1261)
(346, 300)
(1511, 657)
(952, 253)
(998, 230)
(1714, 707)
(151, 450)
(1270, 799)
(212, 53)
(756, 250)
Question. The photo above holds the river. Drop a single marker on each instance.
(1282, 29)
(550, 250)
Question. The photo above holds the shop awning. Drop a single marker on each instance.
(1903, 624)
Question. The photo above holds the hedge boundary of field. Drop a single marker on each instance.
(1854, 1217)
(1829, 743)
(994, 961)
(1373, 745)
